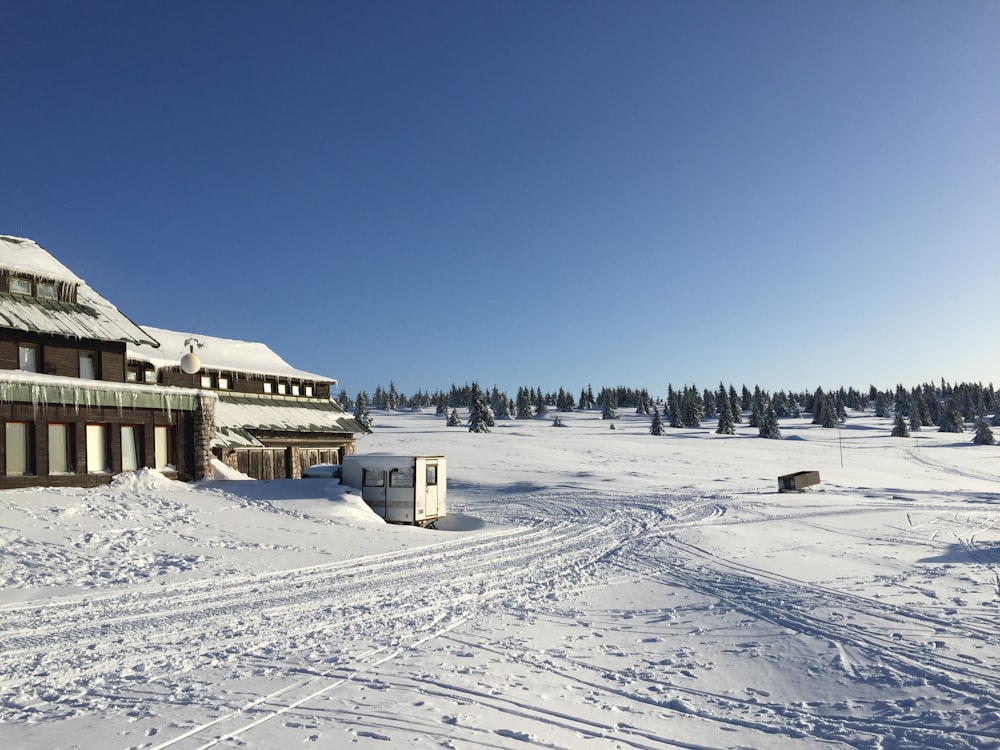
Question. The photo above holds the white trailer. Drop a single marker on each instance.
(401, 489)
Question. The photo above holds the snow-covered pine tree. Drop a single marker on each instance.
(899, 428)
(480, 413)
(541, 409)
(656, 428)
(951, 418)
(828, 412)
(453, 419)
(674, 409)
(522, 404)
(984, 435)
(882, 404)
(736, 405)
(692, 409)
(500, 404)
(608, 405)
(361, 410)
(769, 422)
(817, 408)
(726, 424)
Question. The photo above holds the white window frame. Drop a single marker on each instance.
(47, 290)
(19, 285)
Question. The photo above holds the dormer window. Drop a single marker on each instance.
(47, 290)
(20, 286)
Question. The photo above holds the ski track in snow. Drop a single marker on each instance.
(314, 632)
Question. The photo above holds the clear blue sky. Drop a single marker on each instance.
(788, 194)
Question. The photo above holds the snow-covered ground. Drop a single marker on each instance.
(591, 588)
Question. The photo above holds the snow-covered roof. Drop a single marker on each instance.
(238, 416)
(90, 317)
(216, 353)
(22, 255)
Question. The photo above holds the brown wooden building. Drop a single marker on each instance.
(69, 414)
(271, 420)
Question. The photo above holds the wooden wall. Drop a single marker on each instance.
(182, 441)
(62, 357)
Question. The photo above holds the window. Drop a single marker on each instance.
(401, 478)
(28, 358)
(61, 460)
(161, 446)
(98, 449)
(20, 286)
(131, 447)
(373, 478)
(132, 374)
(150, 376)
(295, 389)
(282, 388)
(309, 390)
(89, 369)
(47, 290)
(206, 381)
(432, 474)
(223, 382)
(20, 449)
(268, 387)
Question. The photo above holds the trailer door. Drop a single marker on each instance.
(431, 490)
(373, 489)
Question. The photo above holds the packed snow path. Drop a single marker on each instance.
(520, 634)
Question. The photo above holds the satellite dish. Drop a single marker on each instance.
(190, 363)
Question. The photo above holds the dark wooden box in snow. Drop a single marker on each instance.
(797, 481)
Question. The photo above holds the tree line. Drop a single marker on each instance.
(944, 406)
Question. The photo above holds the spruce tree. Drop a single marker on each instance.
(899, 428)
(522, 408)
(453, 419)
(656, 428)
(984, 435)
(361, 410)
(769, 423)
(480, 414)
(608, 405)
(726, 424)
(674, 407)
(951, 419)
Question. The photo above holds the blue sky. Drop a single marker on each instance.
(525, 193)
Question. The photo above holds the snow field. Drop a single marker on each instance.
(591, 588)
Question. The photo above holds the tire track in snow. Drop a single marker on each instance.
(389, 598)
(916, 456)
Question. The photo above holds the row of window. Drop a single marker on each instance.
(285, 388)
(29, 359)
(33, 288)
(397, 477)
(20, 437)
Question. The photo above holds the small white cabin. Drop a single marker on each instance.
(401, 489)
